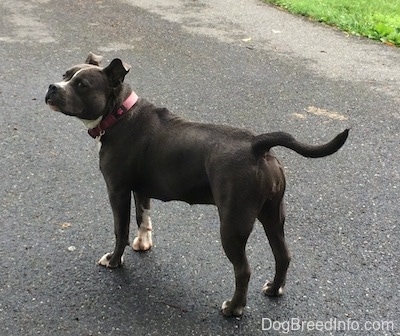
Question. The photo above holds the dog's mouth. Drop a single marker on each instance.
(52, 98)
(51, 101)
(53, 106)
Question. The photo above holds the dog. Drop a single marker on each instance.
(149, 152)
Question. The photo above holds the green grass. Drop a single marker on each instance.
(376, 19)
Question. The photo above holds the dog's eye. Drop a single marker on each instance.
(82, 84)
(64, 76)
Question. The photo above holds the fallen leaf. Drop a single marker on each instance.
(299, 115)
(325, 113)
(389, 43)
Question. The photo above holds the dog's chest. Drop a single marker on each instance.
(98, 145)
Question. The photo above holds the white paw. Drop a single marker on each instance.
(105, 261)
(143, 241)
(267, 290)
(225, 304)
(228, 311)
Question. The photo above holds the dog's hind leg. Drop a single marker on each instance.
(272, 217)
(121, 206)
(143, 241)
(235, 230)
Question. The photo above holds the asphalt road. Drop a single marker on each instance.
(241, 63)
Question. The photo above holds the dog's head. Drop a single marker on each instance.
(87, 90)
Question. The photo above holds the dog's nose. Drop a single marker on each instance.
(50, 92)
(52, 88)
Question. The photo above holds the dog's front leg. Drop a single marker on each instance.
(143, 241)
(121, 206)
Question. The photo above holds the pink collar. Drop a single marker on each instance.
(113, 117)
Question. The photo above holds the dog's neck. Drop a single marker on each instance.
(91, 123)
(96, 128)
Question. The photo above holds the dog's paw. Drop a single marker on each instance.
(270, 290)
(107, 261)
(229, 311)
(143, 241)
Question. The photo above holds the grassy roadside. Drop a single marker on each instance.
(376, 19)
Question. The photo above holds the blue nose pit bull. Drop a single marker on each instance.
(149, 152)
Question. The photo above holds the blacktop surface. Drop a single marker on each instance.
(236, 62)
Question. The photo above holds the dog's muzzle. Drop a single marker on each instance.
(50, 96)
(51, 91)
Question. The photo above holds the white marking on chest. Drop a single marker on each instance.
(98, 145)
(92, 124)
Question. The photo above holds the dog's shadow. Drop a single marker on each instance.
(145, 292)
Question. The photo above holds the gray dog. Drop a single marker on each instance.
(152, 153)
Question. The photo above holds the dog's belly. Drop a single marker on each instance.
(192, 194)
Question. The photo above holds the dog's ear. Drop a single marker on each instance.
(94, 59)
(116, 71)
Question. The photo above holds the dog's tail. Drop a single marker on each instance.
(264, 142)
